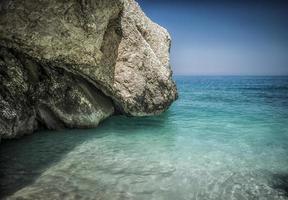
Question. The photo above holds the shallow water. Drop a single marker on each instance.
(225, 138)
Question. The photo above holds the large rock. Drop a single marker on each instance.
(72, 63)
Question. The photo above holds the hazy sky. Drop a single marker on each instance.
(224, 37)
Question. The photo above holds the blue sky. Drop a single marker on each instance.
(224, 37)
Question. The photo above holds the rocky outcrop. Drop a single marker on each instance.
(74, 63)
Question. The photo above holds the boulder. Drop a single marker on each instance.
(74, 63)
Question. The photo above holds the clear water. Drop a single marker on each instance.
(225, 138)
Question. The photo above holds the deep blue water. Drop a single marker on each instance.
(224, 138)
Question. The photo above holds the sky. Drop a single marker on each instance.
(218, 37)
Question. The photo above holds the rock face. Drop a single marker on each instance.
(74, 63)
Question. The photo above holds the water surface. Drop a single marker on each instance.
(225, 138)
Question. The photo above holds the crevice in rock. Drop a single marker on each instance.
(109, 48)
(49, 87)
(46, 117)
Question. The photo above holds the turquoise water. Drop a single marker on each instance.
(225, 138)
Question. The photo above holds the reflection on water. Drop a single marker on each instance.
(225, 138)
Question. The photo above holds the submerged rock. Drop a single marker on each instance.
(74, 63)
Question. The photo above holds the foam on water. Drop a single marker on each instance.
(225, 138)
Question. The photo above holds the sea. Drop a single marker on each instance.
(225, 138)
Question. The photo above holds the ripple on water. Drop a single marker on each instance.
(223, 139)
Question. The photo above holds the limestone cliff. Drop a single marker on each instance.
(73, 63)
